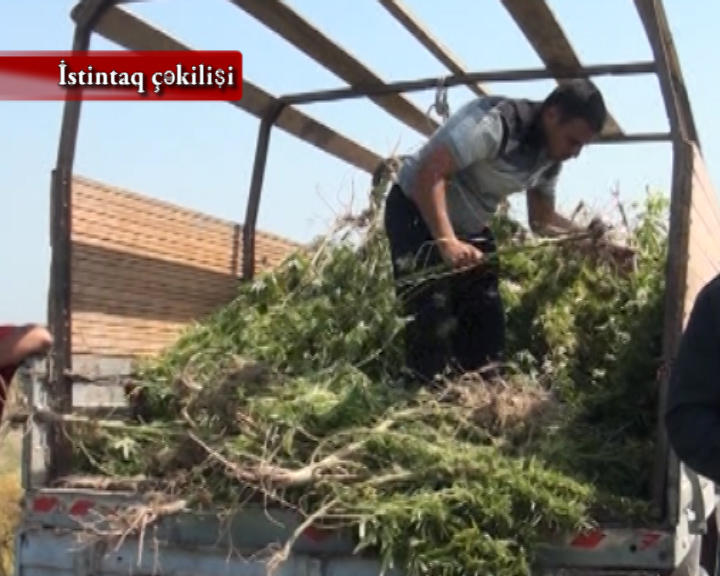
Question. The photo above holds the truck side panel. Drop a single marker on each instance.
(45, 553)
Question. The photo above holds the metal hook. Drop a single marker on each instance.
(441, 106)
(441, 102)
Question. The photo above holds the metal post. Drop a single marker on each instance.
(86, 14)
(677, 105)
(258, 175)
(666, 472)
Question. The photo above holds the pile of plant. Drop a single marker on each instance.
(293, 396)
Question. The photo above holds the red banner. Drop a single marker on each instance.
(121, 75)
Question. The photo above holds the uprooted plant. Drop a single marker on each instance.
(292, 396)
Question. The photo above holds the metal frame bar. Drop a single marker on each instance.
(258, 174)
(472, 77)
(666, 475)
(88, 13)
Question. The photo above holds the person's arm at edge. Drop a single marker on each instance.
(23, 342)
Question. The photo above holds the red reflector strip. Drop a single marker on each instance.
(649, 540)
(315, 534)
(81, 507)
(44, 504)
(588, 540)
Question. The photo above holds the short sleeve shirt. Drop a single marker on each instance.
(496, 147)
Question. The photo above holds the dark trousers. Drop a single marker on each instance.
(458, 320)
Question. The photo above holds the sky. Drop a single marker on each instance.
(199, 154)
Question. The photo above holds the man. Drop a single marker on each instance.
(439, 209)
(17, 343)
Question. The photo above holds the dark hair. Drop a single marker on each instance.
(579, 98)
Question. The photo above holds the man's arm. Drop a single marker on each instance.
(692, 417)
(429, 196)
(23, 342)
(455, 146)
(429, 193)
(544, 219)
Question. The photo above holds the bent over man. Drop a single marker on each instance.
(439, 209)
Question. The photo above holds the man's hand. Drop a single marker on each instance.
(459, 254)
(597, 229)
(544, 219)
(42, 339)
(622, 256)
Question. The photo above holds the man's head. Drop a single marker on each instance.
(570, 117)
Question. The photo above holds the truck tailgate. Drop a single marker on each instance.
(200, 543)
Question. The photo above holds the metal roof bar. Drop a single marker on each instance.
(283, 20)
(411, 23)
(458, 79)
(630, 137)
(544, 33)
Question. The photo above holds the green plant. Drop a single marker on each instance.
(291, 395)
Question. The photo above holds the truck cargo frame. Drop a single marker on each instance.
(684, 503)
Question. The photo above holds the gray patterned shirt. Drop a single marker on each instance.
(496, 146)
